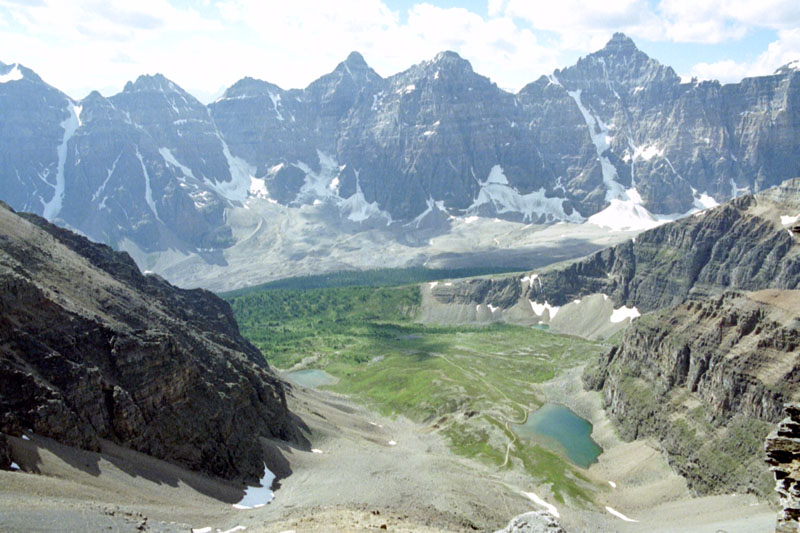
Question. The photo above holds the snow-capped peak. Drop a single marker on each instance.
(13, 74)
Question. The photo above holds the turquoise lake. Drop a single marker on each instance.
(311, 378)
(558, 428)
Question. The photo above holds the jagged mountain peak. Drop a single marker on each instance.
(94, 97)
(355, 59)
(248, 86)
(451, 60)
(152, 83)
(620, 42)
(354, 67)
(788, 68)
(16, 72)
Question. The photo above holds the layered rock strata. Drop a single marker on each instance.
(745, 244)
(91, 349)
(783, 456)
(708, 380)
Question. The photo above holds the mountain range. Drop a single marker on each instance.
(618, 140)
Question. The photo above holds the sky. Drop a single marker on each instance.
(207, 45)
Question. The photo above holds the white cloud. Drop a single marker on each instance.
(778, 53)
(86, 44)
(586, 25)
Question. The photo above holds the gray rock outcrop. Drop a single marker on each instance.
(533, 522)
(91, 349)
(783, 456)
(708, 379)
(5, 453)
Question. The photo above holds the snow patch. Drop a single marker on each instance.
(538, 501)
(15, 466)
(102, 187)
(316, 450)
(539, 309)
(625, 215)
(613, 485)
(70, 125)
(241, 172)
(12, 75)
(433, 284)
(258, 188)
(148, 190)
(317, 184)
(647, 152)
(166, 153)
(738, 191)
(258, 496)
(492, 308)
(619, 515)
(704, 201)
(392, 443)
(359, 209)
(504, 198)
(600, 138)
(407, 89)
(624, 312)
(786, 220)
(25, 437)
(276, 98)
(432, 204)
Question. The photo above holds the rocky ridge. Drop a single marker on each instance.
(617, 139)
(91, 349)
(708, 380)
(745, 244)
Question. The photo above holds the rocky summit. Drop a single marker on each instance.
(615, 137)
(92, 350)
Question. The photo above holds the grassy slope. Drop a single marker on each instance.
(467, 382)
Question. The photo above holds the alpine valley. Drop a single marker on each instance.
(441, 306)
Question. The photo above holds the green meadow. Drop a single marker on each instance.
(467, 382)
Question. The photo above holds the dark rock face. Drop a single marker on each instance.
(739, 245)
(708, 379)
(783, 456)
(502, 293)
(5, 453)
(91, 349)
(154, 168)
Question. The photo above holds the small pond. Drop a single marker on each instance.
(558, 428)
(311, 378)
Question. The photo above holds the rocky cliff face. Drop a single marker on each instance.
(783, 456)
(91, 349)
(614, 137)
(708, 379)
(745, 244)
